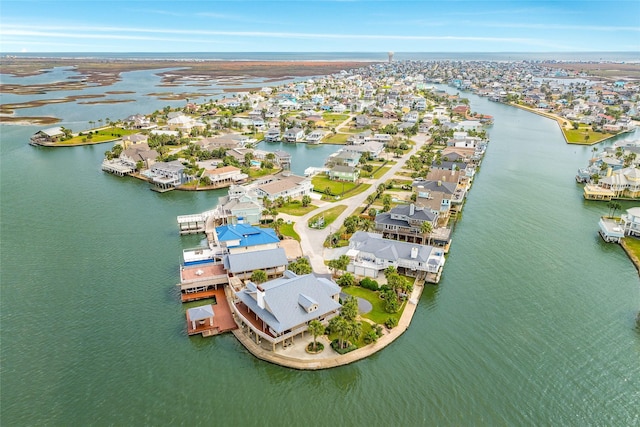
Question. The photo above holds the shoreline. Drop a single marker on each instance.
(634, 259)
(334, 360)
(561, 121)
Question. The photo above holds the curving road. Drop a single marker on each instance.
(312, 240)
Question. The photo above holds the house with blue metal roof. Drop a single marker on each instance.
(245, 238)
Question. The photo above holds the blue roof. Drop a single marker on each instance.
(248, 235)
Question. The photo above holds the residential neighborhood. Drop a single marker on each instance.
(285, 251)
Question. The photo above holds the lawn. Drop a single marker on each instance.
(633, 245)
(329, 215)
(356, 190)
(296, 209)
(105, 135)
(376, 173)
(321, 182)
(333, 120)
(366, 327)
(578, 136)
(338, 138)
(377, 314)
(287, 230)
(257, 173)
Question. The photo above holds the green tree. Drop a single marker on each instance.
(316, 329)
(389, 271)
(391, 303)
(346, 280)
(426, 228)
(306, 200)
(259, 276)
(338, 325)
(300, 266)
(351, 224)
(349, 310)
(343, 262)
(354, 331)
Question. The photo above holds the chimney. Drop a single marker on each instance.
(439, 183)
(414, 253)
(412, 209)
(260, 296)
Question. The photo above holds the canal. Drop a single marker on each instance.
(533, 322)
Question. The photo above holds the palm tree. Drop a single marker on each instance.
(339, 326)
(389, 271)
(316, 329)
(613, 207)
(426, 228)
(353, 331)
(258, 276)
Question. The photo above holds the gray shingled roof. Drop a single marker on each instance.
(442, 186)
(418, 214)
(255, 260)
(283, 310)
(387, 249)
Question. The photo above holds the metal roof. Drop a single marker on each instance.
(255, 260)
(282, 310)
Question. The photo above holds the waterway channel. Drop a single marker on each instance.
(533, 322)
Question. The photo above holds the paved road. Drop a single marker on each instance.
(312, 240)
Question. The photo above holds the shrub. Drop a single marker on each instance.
(370, 337)
(335, 344)
(311, 349)
(370, 284)
(391, 323)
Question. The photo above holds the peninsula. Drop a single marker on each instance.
(373, 225)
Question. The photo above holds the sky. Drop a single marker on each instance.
(319, 26)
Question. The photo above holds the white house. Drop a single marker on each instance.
(370, 255)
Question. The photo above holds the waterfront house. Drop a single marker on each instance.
(47, 136)
(285, 185)
(139, 153)
(277, 311)
(314, 137)
(202, 270)
(272, 135)
(370, 254)
(611, 230)
(347, 158)
(631, 222)
(283, 159)
(241, 265)
(404, 223)
(625, 183)
(241, 204)
(240, 237)
(225, 176)
(168, 174)
(293, 135)
(438, 196)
